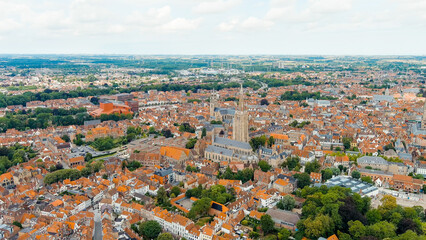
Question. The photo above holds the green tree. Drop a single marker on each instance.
(88, 157)
(203, 133)
(176, 190)
(264, 165)
(254, 235)
(284, 234)
(319, 226)
(303, 180)
(291, 163)
(165, 236)
(150, 229)
(373, 216)
(267, 224)
(410, 235)
(257, 142)
(343, 236)
(395, 218)
(162, 196)
(312, 167)
(271, 141)
(66, 138)
(367, 179)
(191, 143)
(287, 203)
(152, 130)
(326, 174)
(382, 230)
(18, 224)
(357, 229)
(356, 174)
(200, 208)
(347, 142)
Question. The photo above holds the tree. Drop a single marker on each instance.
(367, 179)
(347, 142)
(200, 207)
(321, 225)
(382, 230)
(162, 196)
(88, 157)
(165, 236)
(264, 165)
(257, 142)
(410, 235)
(287, 203)
(267, 224)
(407, 224)
(271, 141)
(343, 236)
(373, 216)
(254, 234)
(356, 174)
(18, 224)
(191, 143)
(303, 180)
(166, 133)
(291, 163)
(326, 174)
(85, 172)
(133, 165)
(284, 234)
(203, 133)
(152, 130)
(264, 102)
(150, 229)
(388, 204)
(357, 229)
(66, 138)
(395, 218)
(312, 167)
(176, 190)
(336, 171)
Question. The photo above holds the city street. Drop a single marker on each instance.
(98, 225)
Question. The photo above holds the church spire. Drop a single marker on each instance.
(241, 100)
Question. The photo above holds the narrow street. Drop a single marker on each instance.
(98, 225)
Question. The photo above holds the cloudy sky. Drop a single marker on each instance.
(213, 26)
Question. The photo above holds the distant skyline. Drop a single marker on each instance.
(213, 27)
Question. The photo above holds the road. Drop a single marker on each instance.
(405, 202)
(98, 225)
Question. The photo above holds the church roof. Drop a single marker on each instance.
(233, 143)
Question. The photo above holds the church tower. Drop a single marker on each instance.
(213, 104)
(240, 124)
(423, 126)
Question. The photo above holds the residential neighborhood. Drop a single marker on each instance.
(241, 159)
